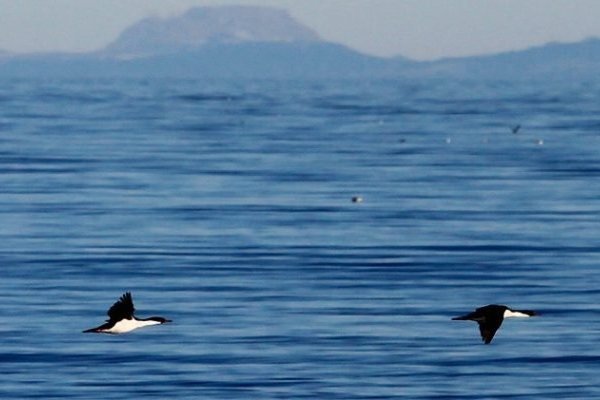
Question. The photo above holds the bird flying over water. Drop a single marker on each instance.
(490, 318)
(122, 320)
(515, 129)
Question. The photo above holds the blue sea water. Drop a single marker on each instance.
(226, 206)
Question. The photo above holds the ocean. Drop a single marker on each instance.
(227, 207)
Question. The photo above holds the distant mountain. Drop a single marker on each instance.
(227, 42)
(260, 42)
(553, 60)
(208, 26)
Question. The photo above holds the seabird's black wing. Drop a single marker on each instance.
(122, 309)
(489, 318)
(488, 327)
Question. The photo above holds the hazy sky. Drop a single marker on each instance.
(419, 29)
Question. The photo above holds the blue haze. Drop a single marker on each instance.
(225, 206)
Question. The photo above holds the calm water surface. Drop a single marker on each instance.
(225, 206)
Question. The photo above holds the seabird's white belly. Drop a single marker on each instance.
(127, 325)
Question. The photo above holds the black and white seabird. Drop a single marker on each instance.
(122, 320)
(490, 318)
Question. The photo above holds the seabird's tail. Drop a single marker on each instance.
(467, 317)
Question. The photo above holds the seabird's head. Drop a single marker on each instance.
(160, 320)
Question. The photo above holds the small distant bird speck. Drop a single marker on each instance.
(357, 199)
(490, 318)
(515, 129)
(122, 320)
